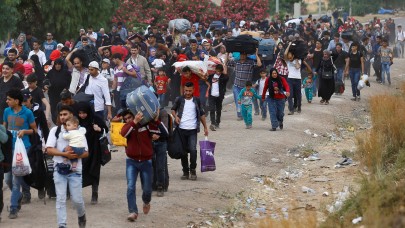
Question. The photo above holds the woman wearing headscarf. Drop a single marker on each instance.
(278, 92)
(58, 79)
(95, 128)
(325, 72)
(38, 70)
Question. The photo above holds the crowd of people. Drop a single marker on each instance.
(87, 80)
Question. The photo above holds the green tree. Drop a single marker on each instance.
(8, 16)
(285, 6)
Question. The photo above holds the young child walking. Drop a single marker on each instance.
(161, 82)
(245, 98)
(260, 86)
(307, 84)
(77, 139)
(216, 93)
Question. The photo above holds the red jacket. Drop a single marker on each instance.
(276, 95)
(139, 140)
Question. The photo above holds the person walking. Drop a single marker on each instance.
(325, 73)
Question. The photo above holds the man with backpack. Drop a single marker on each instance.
(58, 147)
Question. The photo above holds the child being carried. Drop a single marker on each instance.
(77, 139)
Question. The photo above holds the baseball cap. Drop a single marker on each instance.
(106, 61)
(94, 64)
(151, 35)
(26, 94)
(204, 41)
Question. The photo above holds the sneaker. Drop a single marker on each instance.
(299, 110)
(94, 198)
(185, 176)
(240, 118)
(290, 113)
(326, 102)
(212, 127)
(354, 99)
(358, 98)
(217, 126)
(146, 208)
(82, 221)
(193, 175)
(322, 101)
(41, 194)
(132, 217)
(13, 214)
(256, 113)
(263, 118)
(273, 129)
(310, 102)
(160, 192)
(281, 126)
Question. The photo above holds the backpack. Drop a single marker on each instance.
(92, 53)
(7, 149)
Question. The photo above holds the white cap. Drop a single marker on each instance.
(204, 41)
(60, 45)
(94, 64)
(242, 23)
(106, 60)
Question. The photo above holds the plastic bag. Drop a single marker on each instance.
(116, 136)
(21, 165)
(362, 82)
(207, 155)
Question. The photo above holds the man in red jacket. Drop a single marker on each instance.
(139, 159)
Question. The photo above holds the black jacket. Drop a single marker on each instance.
(178, 107)
(223, 79)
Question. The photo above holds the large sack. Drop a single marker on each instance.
(299, 49)
(143, 100)
(251, 33)
(195, 66)
(175, 145)
(242, 43)
(180, 25)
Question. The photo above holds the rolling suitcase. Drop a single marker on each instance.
(242, 43)
(266, 47)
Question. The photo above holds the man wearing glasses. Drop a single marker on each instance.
(49, 45)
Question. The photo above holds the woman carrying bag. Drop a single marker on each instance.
(326, 71)
(95, 128)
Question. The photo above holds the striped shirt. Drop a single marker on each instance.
(243, 71)
(120, 75)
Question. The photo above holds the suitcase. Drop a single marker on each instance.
(347, 35)
(143, 100)
(266, 47)
(339, 87)
(242, 43)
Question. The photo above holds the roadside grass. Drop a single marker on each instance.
(381, 198)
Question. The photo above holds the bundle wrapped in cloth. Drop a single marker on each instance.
(200, 67)
(180, 25)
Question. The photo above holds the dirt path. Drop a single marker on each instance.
(251, 180)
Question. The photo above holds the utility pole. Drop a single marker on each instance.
(277, 6)
(319, 7)
(350, 7)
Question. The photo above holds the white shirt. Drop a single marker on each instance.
(60, 144)
(401, 36)
(98, 86)
(41, 55)
(76, 137)
(235, 32)
(215, 86)
(108, 74)
(189, 119)
(93, 35)
(261, 82)
(293, 71)
(158, 63)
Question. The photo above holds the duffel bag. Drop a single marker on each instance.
(242, 43)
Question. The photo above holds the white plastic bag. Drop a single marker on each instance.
(362, 82)
(20, 165)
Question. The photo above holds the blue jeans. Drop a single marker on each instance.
(100, 114)
(339, 75)
(236, 91)
(276, 111)
(263, 108)
(144, 168)
(161, 98)
(79, 151)
(160, 157)
(354, 74)
(75, 188)
(385, 69)
(8, 178)
(295, 93)
(190, 140)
